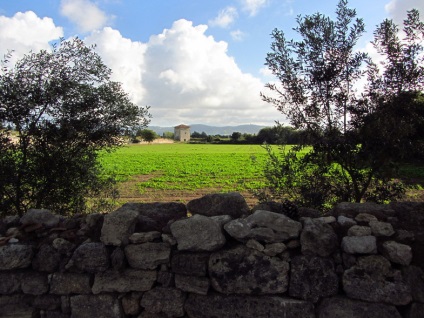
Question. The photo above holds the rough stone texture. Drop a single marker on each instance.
(414, 277)
(147, 255)
(255, 245)
(90, 258)
(365, 218)
(194, 264)
(381, 228)
(359, 244)
(232, 204)
(131, 303)
(70, 283)
(63, 246)
(397, 253)
(318, 238)
(14, 256)
(345, 221)
(40, 216)
(215, 305)
(416, 311)
(341, 307)
(10, 282)
(118, 226)
(169, 301)
(222, 219)
(123, 282)
(312, 277)
(274, 249)
(358, 230)
(89, 306)
(156, 216)
(34, 283)
(241, 270)
(264, 226)
(117, 259)
(47, 259)
(192, 284)
(138, 238)
(198, 233)
(372, 281)
(16, 306)
(47, 302)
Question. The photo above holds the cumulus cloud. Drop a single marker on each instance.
(190, 77)
(397, 8)
(237, 35)
(26, 31)
(124, 57)
(253, 6)
(85, 14)
(225, 17)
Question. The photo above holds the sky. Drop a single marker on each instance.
(191, 61)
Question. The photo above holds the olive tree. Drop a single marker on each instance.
(63, 108)
(318, 77)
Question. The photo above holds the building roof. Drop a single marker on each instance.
(182, 126)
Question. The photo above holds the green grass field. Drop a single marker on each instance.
(188, 166)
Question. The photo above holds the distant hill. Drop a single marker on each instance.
(213, 130)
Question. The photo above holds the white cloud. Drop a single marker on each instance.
(397, 8)
(191, 78)
(237, 35)
(225, 17)
(85, 14)
(124, 57)
(26, 31)
(253, 6)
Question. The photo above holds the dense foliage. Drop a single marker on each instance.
(357, 136)
(63, 108)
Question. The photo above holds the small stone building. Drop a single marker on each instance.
(182, 133)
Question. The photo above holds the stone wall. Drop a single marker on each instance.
(151, 260)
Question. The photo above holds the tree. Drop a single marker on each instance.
(147, 135)
(235, 136)
(316, 91)
(168, 135)
(64, 108)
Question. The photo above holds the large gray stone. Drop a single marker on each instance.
(312, 277)
(397, 253)
(169, 301)
(13, 256)
(358, 230)
(198, 233)
(222, 306)
(264, 226)
(40, 216)
(371, 280)
(10, 282)
(232, 204)
(147, 255)
(194, 264)
(192, 284)
(155, 216)
(381, 228)
(318, 238)
(70, 283)
(124, 282)
(47, 259)
(34, 283)
(241, 270)
(341, 307)
(351, 209)
(89, 306)
(118, 226)
(359, 244)
(414, 277)
(90, 258)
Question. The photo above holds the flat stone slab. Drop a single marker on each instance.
(359, 244)
(222, 306)
(232, 204)
(123, 282)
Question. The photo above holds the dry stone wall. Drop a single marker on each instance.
(224, 260)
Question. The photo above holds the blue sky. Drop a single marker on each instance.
(192, 61)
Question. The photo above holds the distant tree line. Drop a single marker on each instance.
(278, 134)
